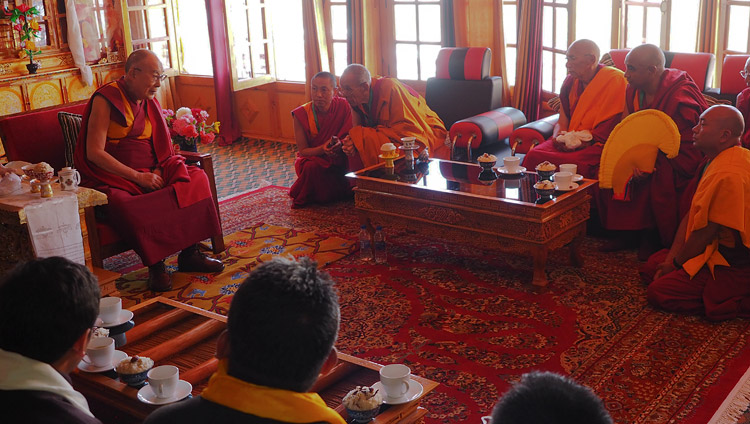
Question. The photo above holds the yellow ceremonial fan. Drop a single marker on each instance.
(633, 144)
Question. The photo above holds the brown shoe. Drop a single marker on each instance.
(159, 280)
(193, 260)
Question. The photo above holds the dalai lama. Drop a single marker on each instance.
(156, 203)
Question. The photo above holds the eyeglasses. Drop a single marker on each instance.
(154, 76)
(743, 74)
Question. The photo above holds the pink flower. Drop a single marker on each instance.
(18, 27)
(167, 112)
(184, 127)
(207, 138)
(200, 115)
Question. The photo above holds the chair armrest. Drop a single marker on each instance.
(524, 138)
(193, 156)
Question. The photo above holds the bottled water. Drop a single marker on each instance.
(365, 249)
(381, 252)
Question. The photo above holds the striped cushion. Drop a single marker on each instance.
(463, 63)
(71, 126)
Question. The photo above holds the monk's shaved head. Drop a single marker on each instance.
(719, 128)
(728, 118)
(138, 56)
(584, 47)
(358, 73)
(648, 55)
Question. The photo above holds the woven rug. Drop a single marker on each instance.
(469, 319)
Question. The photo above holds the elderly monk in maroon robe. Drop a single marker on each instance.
(653, 204)
(321, 164)
(156, 203)
(743, 104)
(591, 101)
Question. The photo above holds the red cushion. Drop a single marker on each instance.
(36, 136)
(618, 56)
(698, 65)
(463, 63)
(731, 81)
(488, 127)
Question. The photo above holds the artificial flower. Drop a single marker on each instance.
(182, 112)
(34, 25)
(23, 8)
(30, 45)
(207, 138)
(188, 126)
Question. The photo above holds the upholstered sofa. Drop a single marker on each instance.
(731, 82)
(700, 67)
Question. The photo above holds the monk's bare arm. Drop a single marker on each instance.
(698, 241)
(562, 123)
(303, 145)
(96, 140)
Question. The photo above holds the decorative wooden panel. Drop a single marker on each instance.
(112, 75)
(77, 89)
(45, 94)
(11, 100)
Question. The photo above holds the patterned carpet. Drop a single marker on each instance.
(470, 320)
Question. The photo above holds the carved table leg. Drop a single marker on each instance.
(540, 262)
(576, 257)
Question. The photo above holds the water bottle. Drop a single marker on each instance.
(365, 250)
(381, 253)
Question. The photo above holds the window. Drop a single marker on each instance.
(555, 41)
(735, 20)
(594, 22)
(510, 18)
(418, 38)
(669, 24)
(152, 27)
(195, 47)
(338, 33)
(257, 29)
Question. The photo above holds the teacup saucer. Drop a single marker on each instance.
(125, 316)
(116, 358)
(147, 395)
(504, 170)
(577, 177)
(571, 187)
(383, 157)
(415, 390)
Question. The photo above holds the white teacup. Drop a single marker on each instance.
(569, 167)
(511, 163)
(109, 309)
(563, 179)
(163, 380)
(101, 351)
(395, 380)
(408, 142)
(69, 178)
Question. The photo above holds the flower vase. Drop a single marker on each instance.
(32, 66)
(186, 145)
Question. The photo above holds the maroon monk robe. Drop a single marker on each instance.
(587, 158)
(654, 203)
(162, 222)
(321, 179)
(743, 104)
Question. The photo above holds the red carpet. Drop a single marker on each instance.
(470, 320)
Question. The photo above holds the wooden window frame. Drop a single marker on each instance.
(393, 42)
(267, 42)
(170, 38)
(570, 7)
(327, 18)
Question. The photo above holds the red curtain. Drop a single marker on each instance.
(528, 89)
(229, 130)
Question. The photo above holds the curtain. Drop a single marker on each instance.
(479, 23)
(447, 24)
(355, 40)
(76, 42)
(707, 20)
(365, 41)
(316, 45)
(528, 91)
(229, 129)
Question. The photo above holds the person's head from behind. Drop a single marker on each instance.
(282, 324)
(355, 84)
(144, 73)
(549, 398)
(47, 309)
(322, 90)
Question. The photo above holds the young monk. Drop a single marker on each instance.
(321, 164)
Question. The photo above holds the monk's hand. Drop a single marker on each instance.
(664, 268)
(560, 145)
(149, 181)
(639, 176)
(347, 145)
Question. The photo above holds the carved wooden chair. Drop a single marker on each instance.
(103, 239)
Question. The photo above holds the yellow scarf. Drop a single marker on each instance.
(267, 402)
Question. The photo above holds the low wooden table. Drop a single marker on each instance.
(172, 333)
(454, 200)
(15, 241)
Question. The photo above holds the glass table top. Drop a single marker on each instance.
(461, 177)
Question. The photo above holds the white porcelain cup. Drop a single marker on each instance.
(563, 179)
(511, 163)
(395, 380)
(569, 167)
(408, 141)
(101, 351)
(109, 309)
(163, 380)
(69, 178)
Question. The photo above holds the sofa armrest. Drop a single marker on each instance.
(524, 138)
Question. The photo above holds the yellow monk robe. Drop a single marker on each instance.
(396, 111)
(722, 197)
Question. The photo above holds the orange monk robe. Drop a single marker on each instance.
(395, 111)
(717, 281)
(595, 108)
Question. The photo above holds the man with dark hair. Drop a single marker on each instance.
(545, 397)
(47, 309)
(156, 203)
(281, 328)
